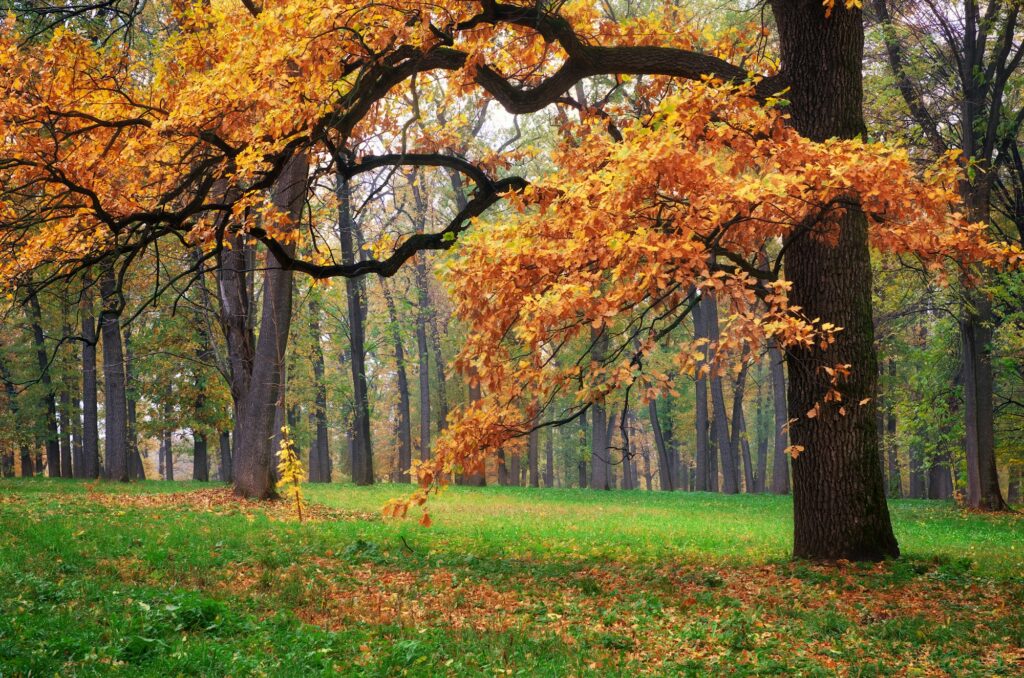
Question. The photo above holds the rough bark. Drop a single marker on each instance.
(115, 388)
(362, 450)
(254, 423)
(839, 502)
(90, 416)
(940, 480)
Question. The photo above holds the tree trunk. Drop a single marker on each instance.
(706, 480)
(135, 467)
(253, 456)
(362, 452)
(319, 453)
(719, 418)
(224, 472)
(200, 457)
(115, 389)
(976, 336)
(600, 466)
(533, 458)
(940, 481)
(667, 477)
(780, 460)
(167, 443)
(549, 458)
(49, 394)
(423, 355)
(839, 502)
(916, 488)
(404, 424)
(90, 417)
(739, 442)
(1016, 472)
(65, 431)
(514, 471)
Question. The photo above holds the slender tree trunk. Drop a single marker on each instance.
(90, 417)
(114, 383)
(27, 466)
(549, 458)
(706, 480)
(319, 455)
(584, 477)
(761, 426)
(983, 490)
(739, 440)
(65, 431)
(502, 468)
(667, 478)
(533, 458)
(917, 482)
(167, 442)
(52, 436)
(719, 419)
(224, 472)
(839, 502)
(423, 355)
(780, 460)
(404, 424)
(253, 456)
(135, 467)
(600, 467)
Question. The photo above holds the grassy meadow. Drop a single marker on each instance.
(162, 579)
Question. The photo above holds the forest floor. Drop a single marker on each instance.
(180, 579)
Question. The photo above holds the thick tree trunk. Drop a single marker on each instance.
(362, 452)
(90, 416)
(514, 470)
(838, 491)
(200, 457)
(404, 424)
(115, 390)
(254, 423)
(940, 480)
(1016, 474)
(49, 394)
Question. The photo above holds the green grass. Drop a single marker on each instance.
(508, 581)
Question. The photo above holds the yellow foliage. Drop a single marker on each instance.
(289, 468)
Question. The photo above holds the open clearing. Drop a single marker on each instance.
(132, 580)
